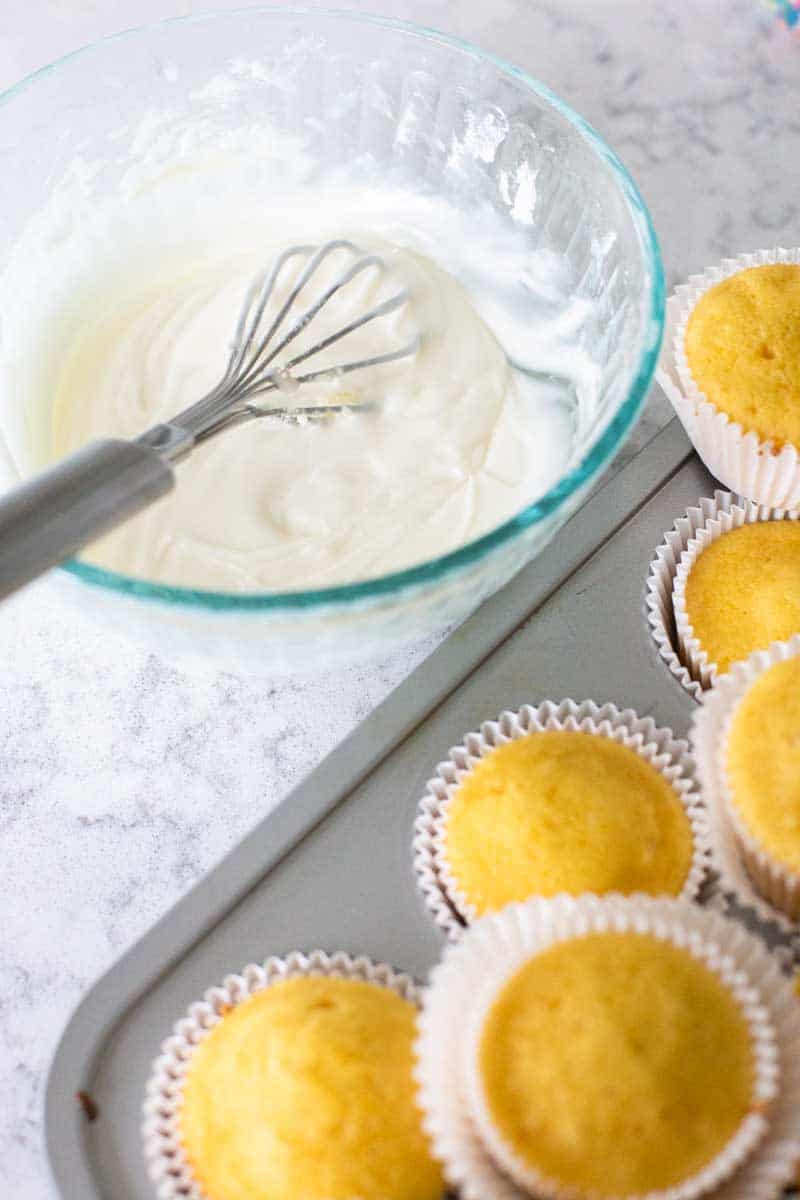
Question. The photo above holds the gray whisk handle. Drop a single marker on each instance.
(49, 518)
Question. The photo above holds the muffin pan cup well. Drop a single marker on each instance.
(759, 1159)
(450, 908)
(167, 1163)
(332, 866)
(746, 873)
(738, 458)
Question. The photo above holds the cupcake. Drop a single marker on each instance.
(737, 589)
(730, 368)
(559, 799)
(745, 742)
(300, 1086)
(613, 1064)
(599, 1048)
(759, 774)
(742, 346)
(762, 766)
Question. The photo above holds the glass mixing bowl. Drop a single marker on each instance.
(401, 105)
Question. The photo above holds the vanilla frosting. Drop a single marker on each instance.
(449, 442)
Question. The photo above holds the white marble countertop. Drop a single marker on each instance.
(122, 779)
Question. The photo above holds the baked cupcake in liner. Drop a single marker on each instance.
(746, 872)
(727, 513)
(758, 1161)
(167, 1162)
(450, 907)
(734, 455)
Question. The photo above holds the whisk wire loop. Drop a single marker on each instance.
(252, 369)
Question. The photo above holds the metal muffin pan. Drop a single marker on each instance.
(331, 868)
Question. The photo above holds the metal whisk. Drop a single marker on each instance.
(49, 518)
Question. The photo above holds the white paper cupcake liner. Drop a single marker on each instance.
(762, 1156)
(450, 908)
(734, 455)
(167, 1163)
(746, 873)
(661, 582)
(727, 514)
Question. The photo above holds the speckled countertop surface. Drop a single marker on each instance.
(123, 779)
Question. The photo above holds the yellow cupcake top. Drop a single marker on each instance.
(563, 811)
(743, 350)
(305, 1090)
(743, 591)
(763, 761)
(616, 1064)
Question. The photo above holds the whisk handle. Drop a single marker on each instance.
(49, 518)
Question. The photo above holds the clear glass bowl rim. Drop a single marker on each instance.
(436, 569)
